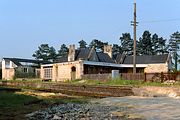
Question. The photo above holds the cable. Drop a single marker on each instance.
(156, 21)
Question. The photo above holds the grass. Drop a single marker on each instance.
(123, 82)
(16, 105)
(114, 82)
(12, 105)
(25, 80)
(87, 82)
(120, 82)
(8, 99)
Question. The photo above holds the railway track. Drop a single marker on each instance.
(80, 90)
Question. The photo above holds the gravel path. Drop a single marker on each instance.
(90, 111)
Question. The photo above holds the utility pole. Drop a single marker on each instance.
(134, 23)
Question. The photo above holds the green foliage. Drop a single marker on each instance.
(63, 50)
(119, 82)
(126, 43)
(45, 53)
(19, 74)
(158, 45)
(145, 44)
(174, 47)
(14, 100)
(79, 100)
(151, 45)
(116, 49)
(82, 44)
(123, 82)
(14, 77)
(98, 45)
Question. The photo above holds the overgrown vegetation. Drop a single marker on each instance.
(19, 74)
(119, 82)
(16, 105)
(14, 100)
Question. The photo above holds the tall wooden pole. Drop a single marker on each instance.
(134, 50)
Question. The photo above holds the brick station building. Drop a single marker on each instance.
(79, 62)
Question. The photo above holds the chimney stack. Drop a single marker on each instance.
(108, 50)
(71, 54)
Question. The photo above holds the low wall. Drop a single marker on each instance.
(100, 77)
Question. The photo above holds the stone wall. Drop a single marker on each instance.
(156, 68)
(100, 77)
(65, 70)
(8, 74)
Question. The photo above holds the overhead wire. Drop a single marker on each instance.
(157, 21)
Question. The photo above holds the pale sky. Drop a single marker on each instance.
(25, 24)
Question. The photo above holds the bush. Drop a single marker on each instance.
(19, 74)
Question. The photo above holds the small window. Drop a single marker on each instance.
(7, 64)
(48, 73)
(25, 70)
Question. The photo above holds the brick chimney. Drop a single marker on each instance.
(108, 50)
(71, 54)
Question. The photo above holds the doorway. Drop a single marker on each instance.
(73, 73)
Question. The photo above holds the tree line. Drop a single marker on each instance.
(147, 44)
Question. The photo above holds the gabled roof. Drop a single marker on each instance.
(91, 55)
(18, 61)
(145, 59)
(87, 54)
(104, 57)
(82, 53)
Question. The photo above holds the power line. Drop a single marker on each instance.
(157, 21)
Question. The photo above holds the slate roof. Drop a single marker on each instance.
(146, 59)
(84, 53)
(104, 57)
(18, 61)
(61, 59)
(118, 58)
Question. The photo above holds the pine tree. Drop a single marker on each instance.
(45, 53)
(116, 49)
(174, 46)
(126, 43)
(98, 45)
(158, 45)
(63, 50)
(82, 44)
(145, 44)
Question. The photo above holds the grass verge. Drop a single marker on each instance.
(16, 105)
(120, 82)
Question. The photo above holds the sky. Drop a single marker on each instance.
(25, 24)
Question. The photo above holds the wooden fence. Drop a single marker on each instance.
(153, 77)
